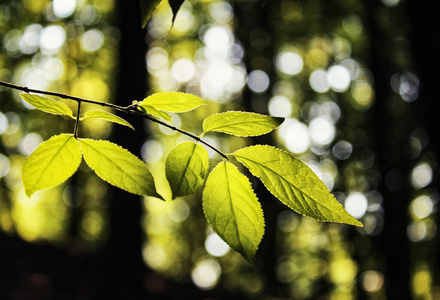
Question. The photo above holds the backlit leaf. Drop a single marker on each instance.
(156, 113)
(293, 183)
(175, 102)
(47, 105)
(241, 123)
(52, 163)
(100, 114)
(147, 9)
(232, 209)
(186, 168)
(118, 167)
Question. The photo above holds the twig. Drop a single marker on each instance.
(131, 109)
(75, 130)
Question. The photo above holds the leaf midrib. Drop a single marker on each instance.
(285, 180)
(232, 209)
(186, 167)
(120, 169)
(53, 157)
(236, 123)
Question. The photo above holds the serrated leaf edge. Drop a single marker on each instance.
(26, 190)
(244, 112)
(262, 212)
(338, 203)
(176, 112)
(206, 173)
(157, 194)
(123, 121)
(70, 115)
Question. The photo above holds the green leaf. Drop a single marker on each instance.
(118, 167)
(155, 112)
(52, 163)
(241, 123)
(100, 114)
(173, 102)
(147, 9)
(47, 105)
(293, 183)
(232, 209)
(186, 167)
(175, 6)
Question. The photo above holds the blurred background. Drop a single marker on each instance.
(356, 81)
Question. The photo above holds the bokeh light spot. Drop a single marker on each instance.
(372, 281)
(289, 63)
(63, 8)
(338, 78)
(342, 150)
(295, 135)
(52, 38)
(29, 142)
(356, 204)
(322, 131)
(422, 206)
(92, 40)
(319, 82)
(183, 70)
(4, 165)
(206, 274)
(280, 106)
(215, 245)
(421, 175)
(151, 151)
(258, 81)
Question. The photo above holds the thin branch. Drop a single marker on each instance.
(75, 130)
(131, 109)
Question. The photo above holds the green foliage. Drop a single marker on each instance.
(47, 105)
(52, 163)
(100, 114)
(295, 184)
(186, 167)
(232, 209)
(230, 205)
(118, 167)
(241, 123)
(149, 110)
(174, 102)
(147, 9)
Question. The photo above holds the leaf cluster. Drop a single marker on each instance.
(230, 205)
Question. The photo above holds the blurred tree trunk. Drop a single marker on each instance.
(423, 17)
(391, 135)
(124, 269)
(256, 32)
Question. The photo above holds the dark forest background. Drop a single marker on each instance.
(87, 240)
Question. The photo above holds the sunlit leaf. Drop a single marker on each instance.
(175, 102)
(52, 163)
(175, 6)
(147, 9)
(293, 183)
(100, 114)
(118, 167)
(241, 123)
(156, 113)
(47, 105)
(232, 209)
(186, 168)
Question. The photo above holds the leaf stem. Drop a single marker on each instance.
(75, 130)
(131, 109)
